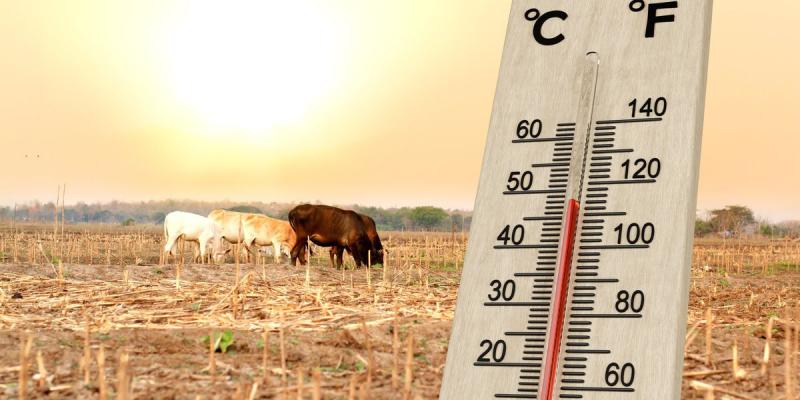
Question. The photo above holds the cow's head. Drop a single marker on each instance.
(219, 256)
(216, 248)
(377, 256)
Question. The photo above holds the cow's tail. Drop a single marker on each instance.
(164, 257)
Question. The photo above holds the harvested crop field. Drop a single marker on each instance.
(326, 332)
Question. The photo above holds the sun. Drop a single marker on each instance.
(248, 65)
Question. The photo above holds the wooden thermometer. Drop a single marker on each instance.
(575, 281)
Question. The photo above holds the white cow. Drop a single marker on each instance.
(192, 228)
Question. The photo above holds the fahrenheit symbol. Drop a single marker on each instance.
(653, 16)
(534, 15)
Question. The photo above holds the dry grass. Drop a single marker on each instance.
(750, 289)
(326, 330)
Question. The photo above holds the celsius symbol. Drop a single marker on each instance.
(539, 20)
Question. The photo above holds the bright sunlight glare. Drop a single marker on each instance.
(248, 65)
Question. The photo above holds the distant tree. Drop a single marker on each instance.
(101, 216)
(768, 229)
(702, 227)
(731, 218)
(428, 217)
(280, 212)
(457, 221)
(159, 217)
(790, 228)
(246, 209)
(129, 222)
(81, 212)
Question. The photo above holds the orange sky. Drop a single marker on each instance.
(353, 101)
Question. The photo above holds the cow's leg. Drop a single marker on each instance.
(286, 250)
(299, 251)
(170, 245)
(276, 250)
(303, 252)
(296, 249)
(294, 253)
(251, 249)
(201, 250)
(250, 254)
(339, 256)
(332, 253)
(356, 255)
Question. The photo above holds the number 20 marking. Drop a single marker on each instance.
(496, 350)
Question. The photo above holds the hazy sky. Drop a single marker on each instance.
(370, 102)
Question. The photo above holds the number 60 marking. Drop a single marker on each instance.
(529, 129)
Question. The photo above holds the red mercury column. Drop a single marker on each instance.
(547, 378)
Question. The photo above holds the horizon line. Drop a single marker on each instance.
(240, 202)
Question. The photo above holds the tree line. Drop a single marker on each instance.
(729, 221)
(733, 221)
(153, 212)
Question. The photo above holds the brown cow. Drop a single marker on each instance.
(328, 226)
(337, 252)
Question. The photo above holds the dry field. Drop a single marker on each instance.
(89, 312)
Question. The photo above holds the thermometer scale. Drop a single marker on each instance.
(575, 280)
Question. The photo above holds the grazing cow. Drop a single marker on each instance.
(228, 221)
(260, 230)
(256, 230)
(376, 255)
(192, 228)
(328, 226)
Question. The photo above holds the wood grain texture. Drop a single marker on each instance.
(546, 83)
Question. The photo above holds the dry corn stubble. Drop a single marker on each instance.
(742, 302)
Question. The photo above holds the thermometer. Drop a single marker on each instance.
(575, 283)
